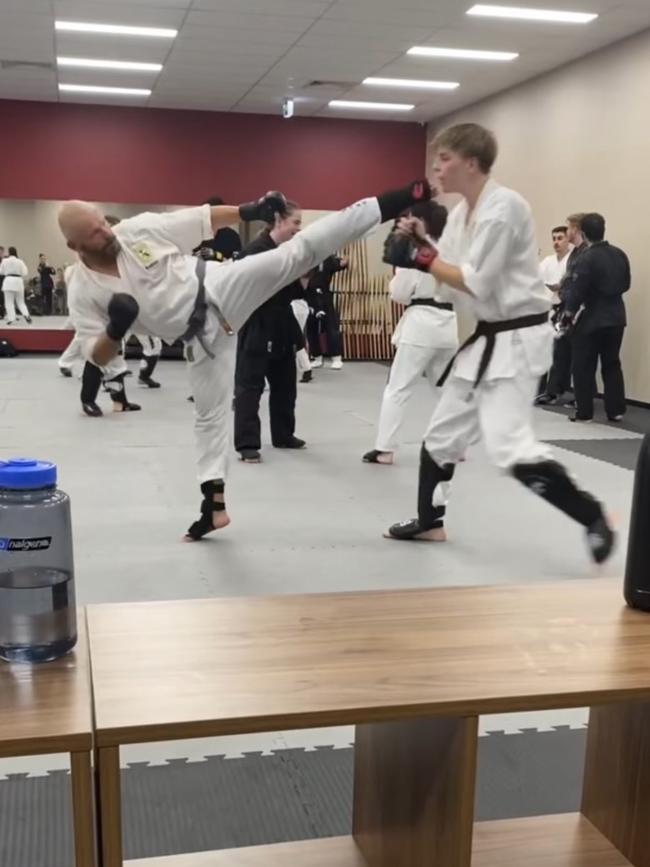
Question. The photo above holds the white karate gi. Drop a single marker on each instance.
(75, 352)
(14, 272)
(496, 250)
(426, 339)
(552, 269)
(156, 269)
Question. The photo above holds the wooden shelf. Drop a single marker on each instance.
(549, 841)
(239, 666)
(568, 840)
(333, 852)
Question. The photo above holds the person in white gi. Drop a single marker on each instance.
(14, 272)
(112, 376)
(488, 252)
(553, 268)
(426, 338)
(140, 275)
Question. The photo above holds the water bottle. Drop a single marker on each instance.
(637, 567)
(38, 620)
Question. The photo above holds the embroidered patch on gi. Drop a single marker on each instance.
(143, 253)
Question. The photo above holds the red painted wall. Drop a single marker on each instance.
(161, 156)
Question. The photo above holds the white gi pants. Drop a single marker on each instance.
(14, 298)
(211, 382)
(238, 288)
(75, 352)
(409, 364)
(499, 411)
(301, 312)
(151, 346)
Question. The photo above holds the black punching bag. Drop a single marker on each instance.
(637, 568)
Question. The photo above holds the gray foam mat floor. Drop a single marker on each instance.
(620, 452)
(290, 795)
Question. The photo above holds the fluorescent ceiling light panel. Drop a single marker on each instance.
(116, 91)
(461, 53)
(375, 106)
(412, 83)
(522, 14)
(121, 65)
(115, 29)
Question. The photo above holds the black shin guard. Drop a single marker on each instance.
(91, 380)
(117, 391)
(430, 476)
(208, 506)
(147, 366)
(115, 388)
(550, 480)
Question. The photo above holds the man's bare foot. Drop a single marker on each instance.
(410, 531)
(213, 512)
(220, 520)
(125, 407)
(377, 457)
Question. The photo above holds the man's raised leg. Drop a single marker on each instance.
(240, 287)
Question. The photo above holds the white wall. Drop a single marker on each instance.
(578, 139)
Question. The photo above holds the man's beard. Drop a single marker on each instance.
(107, 256)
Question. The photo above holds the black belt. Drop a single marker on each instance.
(199, 315)
(429, 302)
(490, 330)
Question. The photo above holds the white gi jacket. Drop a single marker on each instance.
(157, 269)
(420, 325)
(14, 271)
(496, 250)
(552, 269)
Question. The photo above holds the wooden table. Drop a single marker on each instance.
(413, 670)
(46, 709)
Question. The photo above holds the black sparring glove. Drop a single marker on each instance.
(392, 203)
(402, 251)
(264, 209)
(123, 310)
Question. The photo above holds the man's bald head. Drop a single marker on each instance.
(86, 231)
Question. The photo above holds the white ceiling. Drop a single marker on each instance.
(246, 55)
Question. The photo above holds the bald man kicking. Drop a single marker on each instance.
(140, 275)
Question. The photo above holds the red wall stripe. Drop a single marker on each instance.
(162, 156)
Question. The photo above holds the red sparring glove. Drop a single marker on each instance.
(408, 246)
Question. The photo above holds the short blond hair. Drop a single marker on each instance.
(576, 219)
(470, 140)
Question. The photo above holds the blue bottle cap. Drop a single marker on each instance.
(26, 474)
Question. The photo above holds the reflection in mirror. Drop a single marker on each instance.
(31, 227)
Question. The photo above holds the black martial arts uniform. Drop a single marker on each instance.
(46, 273)
(595, 297)
(266, 349)
(559, 376)
(225, 245)
(324, 324)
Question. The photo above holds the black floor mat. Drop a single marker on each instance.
(621, 453)
(293, 794)
(636, 418)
